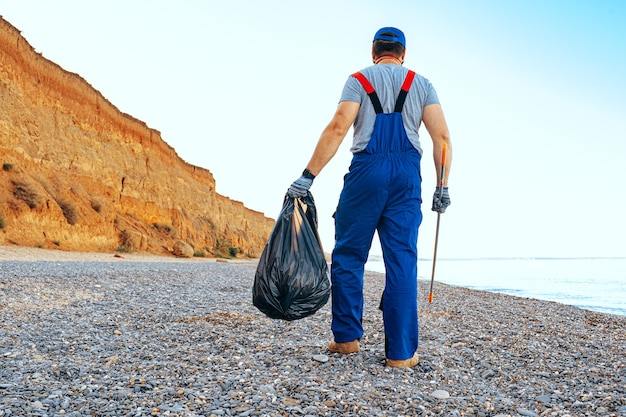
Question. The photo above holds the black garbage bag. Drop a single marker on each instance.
(291, 280)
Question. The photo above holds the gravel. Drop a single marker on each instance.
(183, 339)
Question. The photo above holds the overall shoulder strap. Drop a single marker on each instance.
(369, 89)
(406, 86)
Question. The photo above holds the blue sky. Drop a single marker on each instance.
(534, 93)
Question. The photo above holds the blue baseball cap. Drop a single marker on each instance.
(396, 35)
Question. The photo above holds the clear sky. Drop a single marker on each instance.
(534, 92)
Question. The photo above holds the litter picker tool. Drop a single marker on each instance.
(441, 174)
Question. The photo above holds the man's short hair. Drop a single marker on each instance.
(386, 47)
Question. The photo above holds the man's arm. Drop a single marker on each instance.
(437, 128)
(333, 135)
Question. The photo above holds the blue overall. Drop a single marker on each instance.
(381, 192)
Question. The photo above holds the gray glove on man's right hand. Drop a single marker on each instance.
(441, 199)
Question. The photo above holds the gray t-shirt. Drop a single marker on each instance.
(387, 80)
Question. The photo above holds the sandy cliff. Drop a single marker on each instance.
(78, 174)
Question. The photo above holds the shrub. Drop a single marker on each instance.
(7, 167)
(125, 239)
(124, 249)
(168, 229)
(69, 211)
(27, 194)
(96, 206)
(224, 249)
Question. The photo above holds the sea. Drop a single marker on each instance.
(597, 284)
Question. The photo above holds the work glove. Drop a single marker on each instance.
(300, 187)
(441, 200)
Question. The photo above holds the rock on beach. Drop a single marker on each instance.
(181, 338)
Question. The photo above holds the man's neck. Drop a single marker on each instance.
(388, 59)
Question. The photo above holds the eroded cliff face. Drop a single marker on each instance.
(78, 174)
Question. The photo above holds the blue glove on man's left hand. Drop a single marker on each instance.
(441, 200)
(300, 187)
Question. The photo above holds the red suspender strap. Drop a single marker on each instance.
(408, 81)
(369, 89)
(406, 86)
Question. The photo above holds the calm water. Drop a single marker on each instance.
(597, 284)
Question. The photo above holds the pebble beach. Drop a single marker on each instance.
(96, 335)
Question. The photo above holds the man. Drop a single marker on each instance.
(382, 192)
